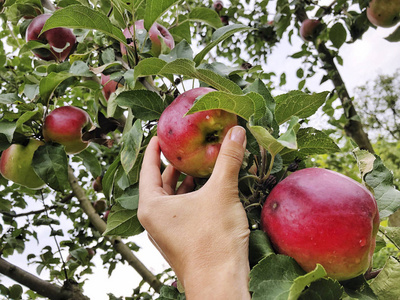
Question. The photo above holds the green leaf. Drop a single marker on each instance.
(91, 162)
(83, 17)
(7, 129)
(9, 98)
(186, 67)
(297, 103)
(359, 288)
(323, 289)
(131, 146)
(155, 9)
(259, 246)
(310, 141)
(394, 36)
(51, 165)
(149, 67)
(245, 106)
(129, 198)
(218, 36)
(386, 284)
(391, 233)
(122, 222)
(301, 282)
(182, 50)
(145, 105)
(206, 15)
(170, 293)
(109, 177)
(337, 35)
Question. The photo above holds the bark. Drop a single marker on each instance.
(118, 244)
(353, 128)
(70, 290)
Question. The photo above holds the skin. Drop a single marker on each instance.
(203, 234)
(15, 164)
(192, 143)
(320, 216)
(384, 13)
(307, 29)
(61, 40)
(65, 126)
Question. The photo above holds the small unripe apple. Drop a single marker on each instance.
(309, 29)
(16, 164)
(191, 143)
(109, 86)
(384, 13)
(105, 216)
(65, 125)
(320, 216)
(156, 32)
(100, 205)
(96, 184)
(61, 40)
(225, 20)
(218, 5)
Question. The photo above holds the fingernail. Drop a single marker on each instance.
(238, 134)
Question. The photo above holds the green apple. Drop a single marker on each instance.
(384, 13)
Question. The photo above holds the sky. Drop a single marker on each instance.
(363, 61)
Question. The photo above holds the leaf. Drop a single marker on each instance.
(218, 36)
(170, 293)
(7, 129)
(148, 67)
(155, 9)
(109, 176)
(130, 198)
(337, 35)
(9, 98)
(131, 146)
(386, 284)
(394, 36)
(91, 162)
(259, 246)
(365, 161)
(186, 67)
(245, 106)
(145, 105)
(392, 233)
(297, 103)
(323, 289)
(359, 288)
(82, 17)
(51, 165)
(122, 222)
(301, 282)
(206, 15)
(182, 50)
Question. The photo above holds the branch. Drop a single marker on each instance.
(353, 128)
(70, 290)
(118, 244)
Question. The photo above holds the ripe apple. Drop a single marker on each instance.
(384, 13)
(320, 216)
(191, 143)
(65, 125)
(309, 29)
(109, 86)
(225, 20)
(156, 33)
(61, 40)
(218, 5)
(16, 164)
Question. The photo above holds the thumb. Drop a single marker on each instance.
(230, 156)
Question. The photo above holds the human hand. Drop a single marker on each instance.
(202, 234)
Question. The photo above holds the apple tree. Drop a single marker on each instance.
(87, 87)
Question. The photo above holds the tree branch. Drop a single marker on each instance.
(118, 244)
(70, 290)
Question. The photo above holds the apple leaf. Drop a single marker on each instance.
(82, 17)
(181, 32)
(337, 34)
(145, 105)
(394, 36)
(109, 176)
(218, 36)
(297, 103)
(155, 9)
(170, 293)
(187, 67)
(310, 141)
(9, 98)
(90, 161)
(259, 246)
(182, 50)
(392, 233)
(122, 222)
(130, 198)
(386, 284)
(51, 165)
(132, 141)
(245, 106)
(205, 15)
(301, 282)
(323, 289)
(148, 67)
(7, 129)
(358, 288)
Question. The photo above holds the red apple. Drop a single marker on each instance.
(309, 29)
(16, 164)
(320, 216)
(65, 125)
(218, 5)
(105, 216)
(61, 40)
(191, 143)
(96, 184)
(156, 33)
(225, 20)
(384, 13)
(109, 86)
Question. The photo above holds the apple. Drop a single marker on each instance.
(309, 29)
(105, 216)
(218, 5)
(65, 125)
(109, 86)
(320, 216)
(100, 206)
(384, 13)
(191, 143)
(61, 40)
(96, 184)
(225, 20)
(16, 164)
(156, 33)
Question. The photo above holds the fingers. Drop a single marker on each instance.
(186, 186)
(150, 176)
(170, 178)
(230, 156)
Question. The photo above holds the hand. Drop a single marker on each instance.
(202, 234)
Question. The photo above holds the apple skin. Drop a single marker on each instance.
(109, 86)
(320, 216)
(191, 143)
(156, 32)
(16, 164)
(65, 125)
(308, 29)
(384, 13)
(218, 5)
(61, 40)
